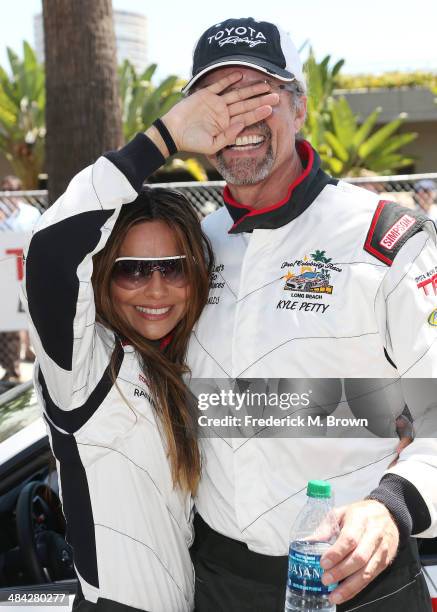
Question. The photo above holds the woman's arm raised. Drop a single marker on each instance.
(57, 288)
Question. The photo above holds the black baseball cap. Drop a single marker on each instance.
(246, 42)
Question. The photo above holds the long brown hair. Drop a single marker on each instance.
(163, 368)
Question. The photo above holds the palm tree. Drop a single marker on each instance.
(83, 115)
(320, 256)
(22, 114)
(143, 102)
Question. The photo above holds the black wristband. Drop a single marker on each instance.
(405, 504)
(166, 136)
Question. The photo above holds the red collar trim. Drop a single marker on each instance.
(230, 200)
(163, 343)
(166, 341)
(306, 154)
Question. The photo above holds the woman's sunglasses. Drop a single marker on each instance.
(136, 272)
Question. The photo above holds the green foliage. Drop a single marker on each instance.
(321, 79)
(22, 112)
(347, 144)
(388, 80)
(22, 122)
(351, 147)
(142, 103)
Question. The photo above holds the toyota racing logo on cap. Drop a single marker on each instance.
(237, 35)
(259, 45)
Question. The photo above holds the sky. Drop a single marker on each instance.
(373, 36)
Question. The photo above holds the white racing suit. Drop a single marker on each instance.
(333, 287)
(129, 527)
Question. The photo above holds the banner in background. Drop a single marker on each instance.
(12, 317)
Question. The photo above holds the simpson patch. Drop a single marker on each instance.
(392, 225)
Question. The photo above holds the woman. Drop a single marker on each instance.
(118, 419)
(114, 283)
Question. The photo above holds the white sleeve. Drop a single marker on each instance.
(406, 311)
(57, 290)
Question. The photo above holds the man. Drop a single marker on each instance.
(314, 279)
(284, 218)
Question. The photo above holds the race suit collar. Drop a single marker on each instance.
(162, 344)
(301, 193)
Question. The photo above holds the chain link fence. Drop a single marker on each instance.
(206, 198)
(403, 189)
(10, 203)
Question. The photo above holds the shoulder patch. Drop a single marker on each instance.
(392, 225)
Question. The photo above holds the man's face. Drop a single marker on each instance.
(264, 147)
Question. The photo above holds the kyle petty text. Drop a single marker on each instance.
(306, 306)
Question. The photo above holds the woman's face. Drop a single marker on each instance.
(155, 307)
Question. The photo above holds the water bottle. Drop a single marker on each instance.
(314, 531)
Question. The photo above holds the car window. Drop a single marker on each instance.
(17, 413)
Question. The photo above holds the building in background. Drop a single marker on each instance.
(130, 37)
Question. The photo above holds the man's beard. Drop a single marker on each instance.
(247, 170)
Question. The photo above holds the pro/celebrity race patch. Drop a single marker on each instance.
(309, 279)
(392, 225)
